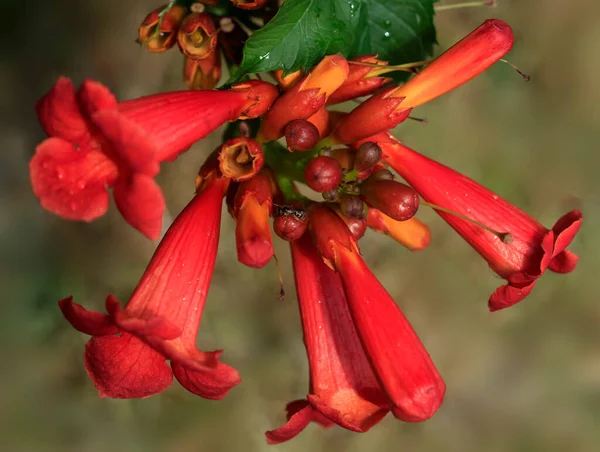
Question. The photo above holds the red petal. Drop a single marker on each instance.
(296, 423)
(564, 262)
(94, 96)
(60, 115)
(140, 201)
(71, 183)
(88, 322)
(157, 327)
(565, 230)
(509, 294)
(130, 143)
(212, 385)
(123, 367)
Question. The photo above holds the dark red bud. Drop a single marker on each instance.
(301, 135)
(367, 156)
(382, 174)
(395, 199)
(357, 227)
(332, 195)
(354, 207)
(289, 222)
(323, 174)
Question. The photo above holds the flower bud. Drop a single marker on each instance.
(204, 73)
(159, 35)
(412, 233)
(357, 227)
(306, 97)
(241, 158)
(301, 135)
(367, 156)
(287, 82)
(354, 207)
(290, 222)
(362, 79)
(252, 208)
(249, 4)
(197, 36)
(332, 195)
(321, 121)
(382, 174)
(394, 199)
(323, 174)
(344, 156)
(259, 97)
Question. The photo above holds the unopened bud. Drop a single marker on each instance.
(259, 97)
(202, 74)
(240, 158)
(301, 135)
(395, 199)
(331, 195)
(367, 156)
(290, 222)
(354, 207)
(197, 36)
(323, 174)
(357, 227)
(382, 174)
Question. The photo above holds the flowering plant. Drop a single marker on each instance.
(365, 358)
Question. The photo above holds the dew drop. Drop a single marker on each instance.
(386, 36)
(387, 23)
(60, 173)
(81, 185)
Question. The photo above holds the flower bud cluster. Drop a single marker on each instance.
(203, 32)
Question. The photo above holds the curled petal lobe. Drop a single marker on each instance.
(94, 96)
(60, 115)
(71, 183)
(87, 322)
(297, 422)
(213, 385)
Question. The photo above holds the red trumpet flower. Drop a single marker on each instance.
(126, 356)
(527, 251)
(97, 142)
(343, 387)
(403, 367)
(459, 64)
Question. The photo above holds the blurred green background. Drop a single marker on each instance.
(524, 379)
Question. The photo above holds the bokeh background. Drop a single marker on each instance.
(524, 379)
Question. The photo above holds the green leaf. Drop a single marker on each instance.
(399, 31)
(302, 32)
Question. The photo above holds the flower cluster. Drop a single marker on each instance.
(365, 358)
(202, 31)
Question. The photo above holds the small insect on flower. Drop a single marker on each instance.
(290, 211)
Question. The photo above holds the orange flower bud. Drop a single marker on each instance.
(259, 97)
(287, 82)
(197, 36)
(459, 64)
(306, 97)
(204, 73)
(252, 205)
(157, 34)
(413, 233)
(362, 80)
(241, 158)
(321, 121)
